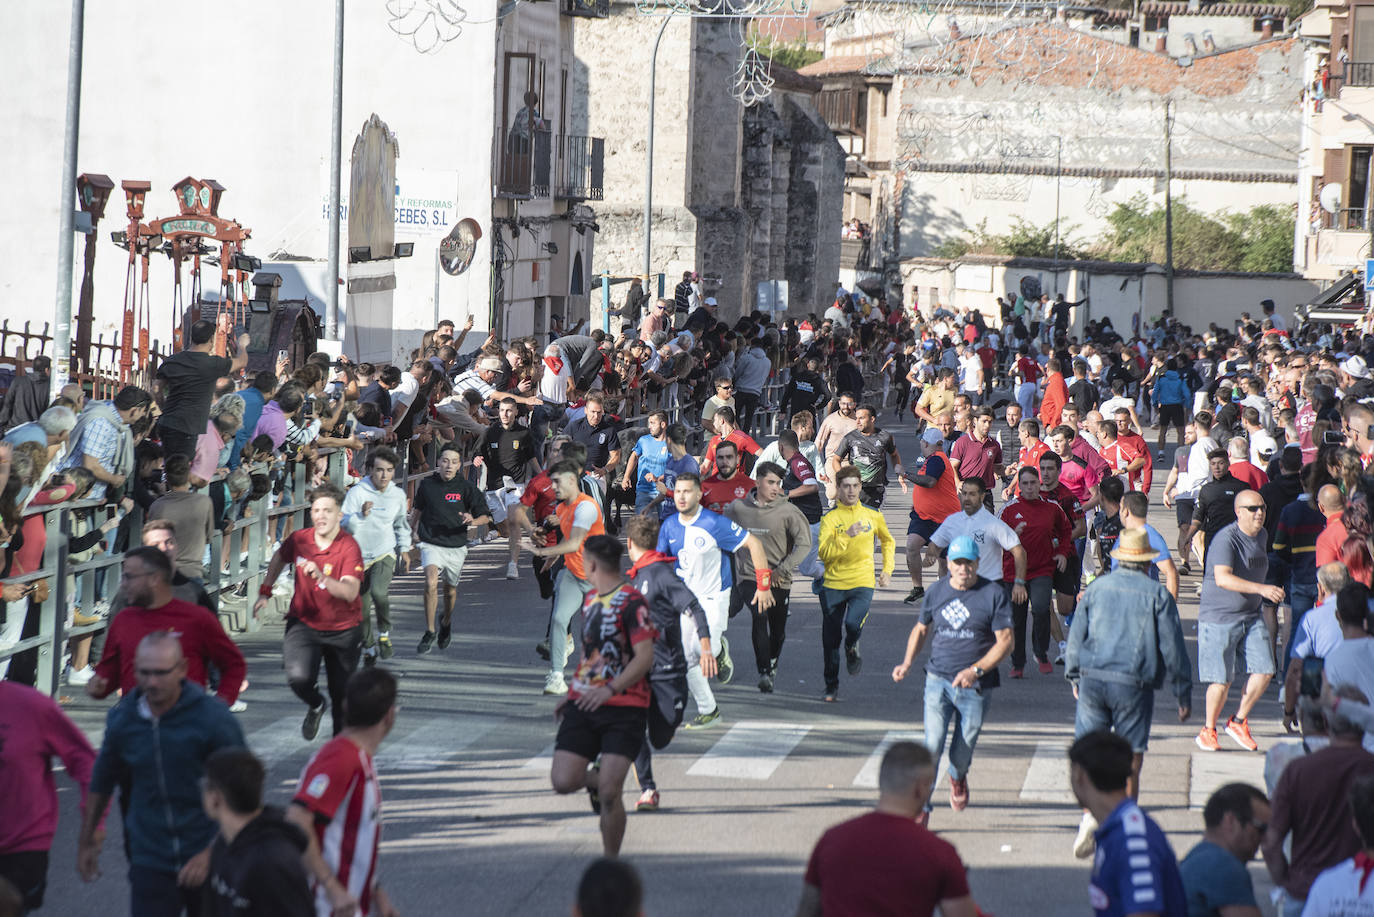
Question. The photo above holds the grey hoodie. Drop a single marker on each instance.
(784, 531)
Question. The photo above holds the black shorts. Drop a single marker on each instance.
(872, 495)
(606, 731)
(921, 526)
(1170, 415)
(28, 873)
(1067, 581)
(1183, 511)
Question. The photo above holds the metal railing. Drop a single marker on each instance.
(1359, 74)
(594, 9)
(250, 540)
(582, 167)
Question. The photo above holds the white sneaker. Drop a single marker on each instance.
(512, 570)
(238, 706)
(554, 684)
(1063, 648)
(1086, 842)
(80, 676)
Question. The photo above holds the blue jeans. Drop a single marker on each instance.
(1301, 598)
(967, 707)
(642, 500)
(843, 612)
(153, 893)
(1124, 709)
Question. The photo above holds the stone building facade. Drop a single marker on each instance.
(742, 194)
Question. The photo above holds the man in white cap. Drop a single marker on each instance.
(1355, 377)
(702, 318)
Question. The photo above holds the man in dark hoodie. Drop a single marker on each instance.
(156, 741)
(255, 863)
(655, 576)
(786, 535)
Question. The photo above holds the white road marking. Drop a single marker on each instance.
(540, 762)
(432, 744)
(281, 739)
(751, 750)
(1047, 776)
(1210, 770)
(868, 774)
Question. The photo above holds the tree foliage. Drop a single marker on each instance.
(791, 54)
(1261, 239)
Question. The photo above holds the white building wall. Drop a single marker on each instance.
(242, 96)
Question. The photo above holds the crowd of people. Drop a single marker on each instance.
(586, 447)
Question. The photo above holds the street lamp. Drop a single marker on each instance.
(93, 193)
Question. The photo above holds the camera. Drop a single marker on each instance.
(1333, 438)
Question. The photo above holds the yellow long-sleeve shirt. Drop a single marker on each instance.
(849, 561)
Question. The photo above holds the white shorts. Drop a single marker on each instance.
(448, 560)
(498, 502)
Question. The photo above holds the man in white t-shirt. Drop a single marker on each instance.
(970, 373)
(1262, 444)
(1347, 888)
(992, 535)
(403, 395)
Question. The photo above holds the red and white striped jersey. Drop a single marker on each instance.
(339, 786)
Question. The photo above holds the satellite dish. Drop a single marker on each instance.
(1331, 197)
(457, 249)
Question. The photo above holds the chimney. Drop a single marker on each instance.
(954, 31)
(1266, 28)
(266, 285)
(1161, 41)
(1208, 44)
(1190, 44)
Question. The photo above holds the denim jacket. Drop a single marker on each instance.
(1127, 630)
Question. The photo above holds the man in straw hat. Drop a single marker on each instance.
(1126, 637)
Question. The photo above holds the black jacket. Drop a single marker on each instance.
(668, 597)
(25, 399)
(261, 872)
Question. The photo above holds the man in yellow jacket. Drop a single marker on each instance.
(847, 533)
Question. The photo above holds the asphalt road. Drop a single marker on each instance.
(471, 826)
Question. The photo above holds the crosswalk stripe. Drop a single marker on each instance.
(1047, 776)
(751, 750)
(1211, 770)
(868, 774)
(542, 761)
(433, 743)
(281, 739)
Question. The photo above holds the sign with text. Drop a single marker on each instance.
(426, 202)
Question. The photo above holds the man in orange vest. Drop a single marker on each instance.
(579, 516)
(933, 500)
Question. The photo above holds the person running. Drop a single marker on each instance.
(446, 505)
(968, 621)
(868, 449)
(702, 542)
(1045, 533)
(325, 620)
(601, 722)
(1032, 447)
(1066, 581)
(848, 533)
(934, 498)
(802, 490)
(375, 515)
(992, 535)
(728, 432)
(729, 482)
(579, 517)
(1125, 639)
(647, 461)
(977, 454)
(885, 862)
(506, 451)
(1134, 871)
(786, 538)
(655, 576)
(338, 803)
(1123, 458)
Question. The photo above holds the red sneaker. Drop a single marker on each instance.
(1207, 740)
(1045, 667)
(958, 794)
(1240, 731)
(1018, 673)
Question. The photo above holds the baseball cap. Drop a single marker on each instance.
(932, 435)
(963, 548)
(710, 301)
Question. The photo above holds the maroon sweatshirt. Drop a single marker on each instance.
(32, 730)
(202, 640)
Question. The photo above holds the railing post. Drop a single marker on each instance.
(52, 616)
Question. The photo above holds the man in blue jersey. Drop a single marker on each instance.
(702, 542)
(678, 462)
(647, 461)
(1134, 871)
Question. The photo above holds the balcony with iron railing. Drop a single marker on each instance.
(1359, 75)
(592, 9)
(582, 168)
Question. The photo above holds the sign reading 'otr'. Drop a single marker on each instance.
(425, 203)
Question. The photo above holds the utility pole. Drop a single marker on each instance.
(66, 241)
(1168, 207)
(1058, 171)
(331, 294)
(649, 152)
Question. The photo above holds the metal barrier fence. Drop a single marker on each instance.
(86, 583)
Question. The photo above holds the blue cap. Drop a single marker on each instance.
(963, 548)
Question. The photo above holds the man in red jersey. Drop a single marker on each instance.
(338, 803)
(888, 862)
(1047, 537)
(325, 621)
(606, 710)
(729, 483)
(1125, 433)
(147, 584)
